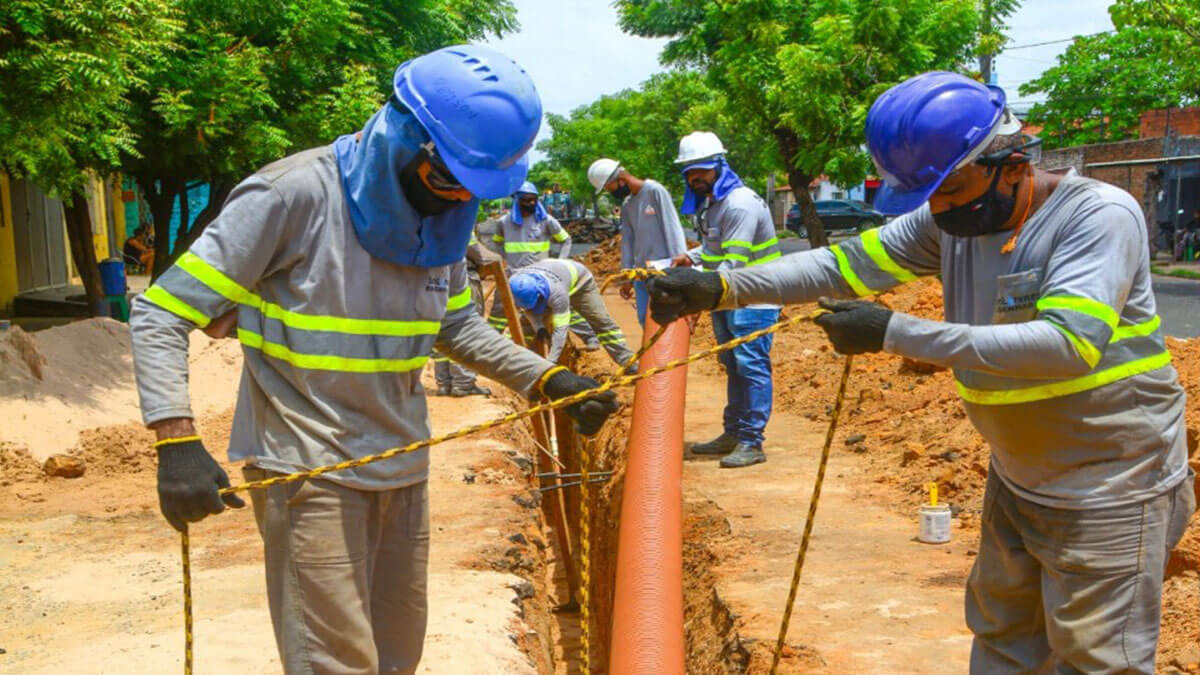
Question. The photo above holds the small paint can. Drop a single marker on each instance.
(935, 524)
(5, 324)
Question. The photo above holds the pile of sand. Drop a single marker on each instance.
(59, 382)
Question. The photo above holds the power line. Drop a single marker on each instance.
(1054, 42)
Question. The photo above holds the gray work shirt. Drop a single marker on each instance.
(1056, 346)
(650, 227)
(529, 242)
(736, 232)
(565, 277)
(334, 339)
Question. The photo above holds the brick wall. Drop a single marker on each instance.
(1183, 122)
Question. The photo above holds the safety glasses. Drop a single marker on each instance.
(437, 177)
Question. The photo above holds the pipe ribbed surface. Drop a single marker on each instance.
(647, 635)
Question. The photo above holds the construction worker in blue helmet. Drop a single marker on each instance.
(550, 291)
(525, 235)
(342, 267)
(1053, 337)
(736, 231)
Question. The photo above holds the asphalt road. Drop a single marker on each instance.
(1178, 299)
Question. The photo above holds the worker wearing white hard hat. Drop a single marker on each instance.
(650, 229)
(736, 231)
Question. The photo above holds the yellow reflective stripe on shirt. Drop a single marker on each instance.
(1066, 387)
(560, 320)
(344, 364)
(1136, 330)
(1074, 303)
(1087, 351)
(874, 248)
(711, 258)
(860, 289)
(498, 238)
(765, 259)
(231, 290)
(458, 301)
(526, 246)
(574, 278)
(753, 247)
(560, 236)
(163, 298)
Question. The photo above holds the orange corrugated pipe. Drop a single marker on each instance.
(647, 635)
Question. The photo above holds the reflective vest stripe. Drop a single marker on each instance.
(163, 298)
(326, 361)
(1066, 387)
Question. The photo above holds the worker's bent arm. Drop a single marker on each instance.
(559, 308)
(468, 339)
(627, 240)
(672, 231)
(875, 261)
(559, 234)
(253, 236)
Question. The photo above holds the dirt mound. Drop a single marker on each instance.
(604, 259)
(57, 383)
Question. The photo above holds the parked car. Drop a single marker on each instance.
(837, 214)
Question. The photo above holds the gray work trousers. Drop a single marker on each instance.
(346, 575)
(447, 373)
(1070, 591)
(586, 302)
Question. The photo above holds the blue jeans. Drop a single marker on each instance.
(747, 371)
(643, 300)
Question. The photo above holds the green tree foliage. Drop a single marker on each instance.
(641, 129)
(67, 68)
(804, 72)
(249, 81)
(1102, 83)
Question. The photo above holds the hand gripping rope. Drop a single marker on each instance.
(613, 382)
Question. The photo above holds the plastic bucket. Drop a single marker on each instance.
(112, 276)
(935, 524)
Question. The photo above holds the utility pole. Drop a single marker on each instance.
(985, 67)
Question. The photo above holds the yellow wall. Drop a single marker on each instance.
(98, 205)
(118, 209)
(8, 246)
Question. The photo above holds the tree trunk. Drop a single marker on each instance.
(799, 180)
(161, 195)
(217, 192)
(185, 217)
(79, 234)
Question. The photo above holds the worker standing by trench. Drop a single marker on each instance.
(650, 229)
(1052, 332)
(736, 231)
(345, 266)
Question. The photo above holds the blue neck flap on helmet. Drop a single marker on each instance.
(727, 180)
(388, 227)
(539, 213)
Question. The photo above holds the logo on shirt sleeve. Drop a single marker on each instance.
(437, 285)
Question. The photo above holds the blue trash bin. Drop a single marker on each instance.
(112, 276)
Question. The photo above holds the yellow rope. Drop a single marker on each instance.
(812, 514)
(618, 380)
(585, 557)
(637, 274)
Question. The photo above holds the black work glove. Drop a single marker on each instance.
(854, 326)
(682, 291)
(188, 480)
(590, 413)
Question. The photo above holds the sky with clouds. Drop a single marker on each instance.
(575, 51)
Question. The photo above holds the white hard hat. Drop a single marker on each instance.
(699, 145)
(602, 171)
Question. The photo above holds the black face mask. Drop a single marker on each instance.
(986, 214)
(422, 199)
(621, 192)
(527, 208)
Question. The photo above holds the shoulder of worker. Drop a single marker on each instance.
(1086, 203)
(654, 187)
(300, 181)
(744, 198)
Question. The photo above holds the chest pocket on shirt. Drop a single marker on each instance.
(1016, 297)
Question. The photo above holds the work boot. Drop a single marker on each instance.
(591, 345)
(721, 445)
(473, 390)
(442, 390)
(744, 454)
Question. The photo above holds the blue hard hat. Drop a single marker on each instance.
(923, 129)
(527, 188)
(480, 108)
(530, 291)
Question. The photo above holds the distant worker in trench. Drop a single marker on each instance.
(345, 266)
(551, 290)
(650, 229)
(525, 234)
(736, 232)
(1052, 333)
